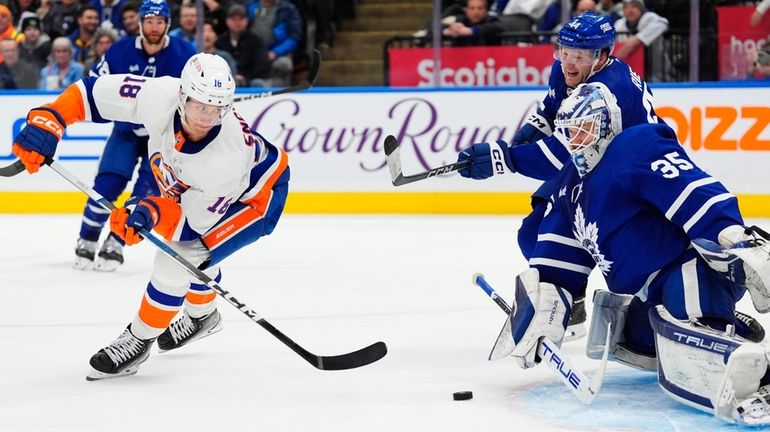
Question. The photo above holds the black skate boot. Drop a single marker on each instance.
(110, 255)
(187, 329)
(122, 357)
(576, 328)
(748, 327)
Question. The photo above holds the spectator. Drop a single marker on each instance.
(109, 12)
(6, 77)
(248, 50)
(612, 8)
(63, 70)
(130, 16)
(278, 24)
(61, 20)
(24, 74)
(646, 28)
(475, 27)
(83, 38)
(7, 30)
(216, 11)
(18, 7)
(762, 7)
(209, 38)
(188, 22)
(103, 40)
(519, 15)
(36, 46)
(759, 62)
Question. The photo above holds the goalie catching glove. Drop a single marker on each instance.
(743, 257)
(540, 310)
(157, 213)
(38, 140)
(488, 160)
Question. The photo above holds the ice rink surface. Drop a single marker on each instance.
(333, 284)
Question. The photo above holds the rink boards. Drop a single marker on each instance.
(334, 140)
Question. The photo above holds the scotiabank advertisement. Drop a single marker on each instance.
(737, 38)
(479, 66)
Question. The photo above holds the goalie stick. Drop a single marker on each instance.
(355, 359)
(393, 156)
(315, 65)
(575, 380)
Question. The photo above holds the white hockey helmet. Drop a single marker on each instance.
(206, 78)
(587, 121)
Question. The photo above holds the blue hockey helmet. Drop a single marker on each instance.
(587, 121)
(589, 30)
(154, 8)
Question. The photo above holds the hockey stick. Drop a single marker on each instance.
(362, 357)
(12, 169)
(393, 156)
(315, 65)
(561, 365)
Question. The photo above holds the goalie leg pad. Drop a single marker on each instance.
(540, 310)
(705, 368)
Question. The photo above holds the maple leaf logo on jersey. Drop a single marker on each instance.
(588, 237)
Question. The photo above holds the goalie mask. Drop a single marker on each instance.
(206, 90)
(587, 121)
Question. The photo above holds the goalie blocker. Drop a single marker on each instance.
(711, 370)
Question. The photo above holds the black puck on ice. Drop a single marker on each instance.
(462, 395)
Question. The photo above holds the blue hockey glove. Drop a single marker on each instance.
(488, 160)
(38, 140)
(527, 134)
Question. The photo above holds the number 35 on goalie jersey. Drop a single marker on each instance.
(231, 185)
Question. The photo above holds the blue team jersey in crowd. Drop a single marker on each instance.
(543, 159)
(127, 56)
(632, 216)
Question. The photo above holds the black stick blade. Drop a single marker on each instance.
(391, 145)
(315, 66)
(355, 359)
(12, 169)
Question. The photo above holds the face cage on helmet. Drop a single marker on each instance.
(579, 133)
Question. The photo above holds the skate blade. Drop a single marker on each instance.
(103, 265)
(574, 332)
(216, 328)
(95, 375)
(82, 263)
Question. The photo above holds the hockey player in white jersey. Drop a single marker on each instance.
(222, 187)
(632, 205)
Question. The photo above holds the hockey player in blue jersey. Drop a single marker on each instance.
(153, 54)
(583, 53)
(632, 205)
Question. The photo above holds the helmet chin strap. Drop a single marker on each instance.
(596, 62)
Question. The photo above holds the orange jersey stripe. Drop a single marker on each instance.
(69, 105)
(232, 226)
(261, 199)
(154, 316)
(200, 299)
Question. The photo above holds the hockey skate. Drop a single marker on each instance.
(576, 327)
(110, 255)
(187, 329)
(755, 409)
(120, 358)
(85, 250)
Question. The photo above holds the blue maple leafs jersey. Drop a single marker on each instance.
(633, 216)
(544, 158)
(127, 56)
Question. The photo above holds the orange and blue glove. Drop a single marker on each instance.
(38, 140)
(157, 213)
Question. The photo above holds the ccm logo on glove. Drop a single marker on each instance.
(47, 123)
(497, 161)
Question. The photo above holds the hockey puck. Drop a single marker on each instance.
(462, 395)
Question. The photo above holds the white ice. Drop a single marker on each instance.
(333, 284)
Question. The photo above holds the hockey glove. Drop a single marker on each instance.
(38, 140)
(149, 213)
(488, 160)
(541, 310)
(743, 257)
(527, 134)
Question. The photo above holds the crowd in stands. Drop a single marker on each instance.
(49, 44)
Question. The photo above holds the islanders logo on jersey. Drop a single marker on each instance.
(588, 237)
(170, 186)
